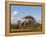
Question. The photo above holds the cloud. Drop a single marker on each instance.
(39, 20)
(13, 16)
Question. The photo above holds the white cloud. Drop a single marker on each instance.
(39, 20)
(13, 17)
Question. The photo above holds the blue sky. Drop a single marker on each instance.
(21, 11)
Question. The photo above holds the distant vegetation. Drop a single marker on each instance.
(29, 24)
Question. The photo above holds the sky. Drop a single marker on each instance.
(18, 12)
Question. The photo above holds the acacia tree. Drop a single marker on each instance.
(29, 22)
